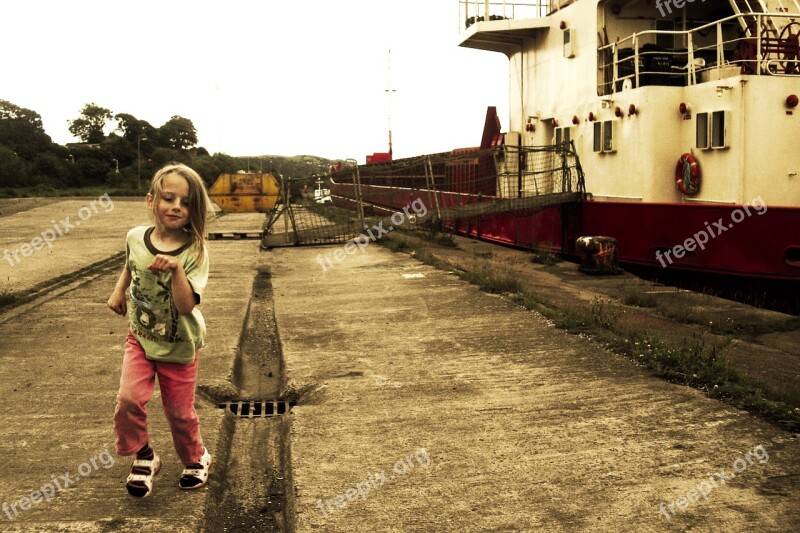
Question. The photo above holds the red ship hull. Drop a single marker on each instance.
(716, 239)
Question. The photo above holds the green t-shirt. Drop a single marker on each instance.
(165, 335)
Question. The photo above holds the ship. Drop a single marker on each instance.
(667, 125)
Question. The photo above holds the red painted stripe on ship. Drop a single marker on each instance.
(754, 247)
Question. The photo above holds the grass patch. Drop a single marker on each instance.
(692, 363)
(438, 234)
(639, 299)
(444, 239)
(696, 365)
(420, 252)
(7, 297)
(493, 281)
(744, 325)
(603, 313)
(701, 367)
(50, 192)
(337, 215)
(395, 244)
(545, 258)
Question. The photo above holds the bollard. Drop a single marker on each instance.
(598, 255)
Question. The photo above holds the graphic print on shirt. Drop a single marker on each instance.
(154, 312)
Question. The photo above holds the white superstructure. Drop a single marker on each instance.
(636, 84)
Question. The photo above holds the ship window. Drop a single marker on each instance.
(719, 129)
(608, 136)
(604, 136)
(569, 42)
(702, 131)
(563, 135)
(598, 137)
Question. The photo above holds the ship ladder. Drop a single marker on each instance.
(749, 9)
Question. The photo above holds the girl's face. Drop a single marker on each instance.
(171, 207)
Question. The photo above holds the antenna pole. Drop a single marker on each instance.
(389, 92)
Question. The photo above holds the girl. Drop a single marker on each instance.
(166, 267)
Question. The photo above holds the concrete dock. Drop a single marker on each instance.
(61, 356)
(484, 417)
(424, 404)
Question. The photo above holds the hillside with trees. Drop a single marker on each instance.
(121, 162)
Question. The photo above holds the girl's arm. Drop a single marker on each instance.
(117, 301)
(182, 293)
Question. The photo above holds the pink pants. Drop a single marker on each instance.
(177, 382)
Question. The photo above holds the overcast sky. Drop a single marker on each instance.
(258, 77)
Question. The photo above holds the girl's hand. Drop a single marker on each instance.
(118, 303)
(163, 263)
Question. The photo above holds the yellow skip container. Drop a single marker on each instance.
(245, 193)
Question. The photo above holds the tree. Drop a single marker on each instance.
(89, 126)
(90, 171)
(132, 128)
(160, 156)
(21, 130)
(13, 169)
(49, 168)
(210, 167)
(178, 133)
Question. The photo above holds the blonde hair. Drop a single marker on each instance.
(199, 202)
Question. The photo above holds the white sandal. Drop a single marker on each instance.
(140, 480)
(195, 478)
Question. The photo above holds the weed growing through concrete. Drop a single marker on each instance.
(545, 258)
(439, 234)
(714, 481)
(7, 296)
(493, 281)
(375, 481)
(639, 299)
(603, 313)
(63, 481)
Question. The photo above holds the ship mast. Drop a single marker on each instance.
(389, 92)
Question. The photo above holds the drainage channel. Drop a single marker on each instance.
(249, 491)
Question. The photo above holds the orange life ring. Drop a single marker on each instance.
(687, 174)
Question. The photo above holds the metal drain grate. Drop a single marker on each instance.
(257, 408)
(216, 235)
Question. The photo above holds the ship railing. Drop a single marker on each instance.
(472, 11)
(709, 52)
(499, 172)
